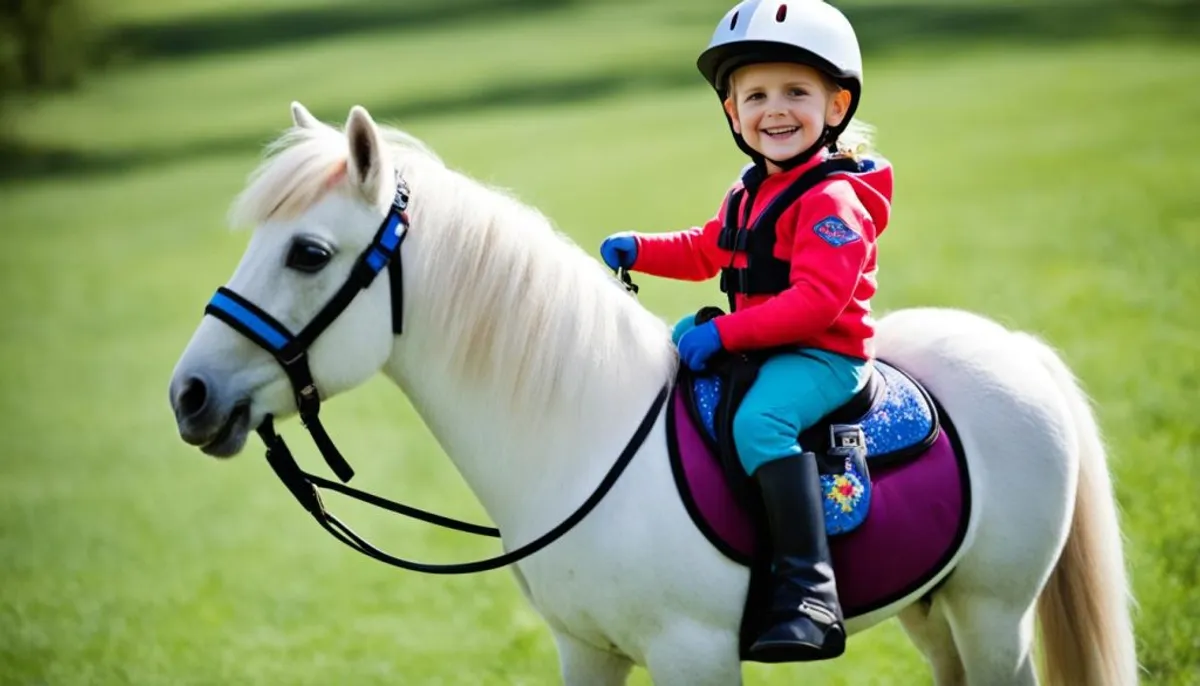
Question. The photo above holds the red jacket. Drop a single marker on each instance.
(828, 237)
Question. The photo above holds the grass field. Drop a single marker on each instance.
(1047, 177)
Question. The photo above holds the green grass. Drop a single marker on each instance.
(1049, 184)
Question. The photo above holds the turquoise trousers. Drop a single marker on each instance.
(792, 392)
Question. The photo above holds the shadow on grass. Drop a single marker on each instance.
(887, 27)
(882, 29)
(29, 162)
(191, 37)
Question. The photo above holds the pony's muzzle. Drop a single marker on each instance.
(204, 421)
(190, 399)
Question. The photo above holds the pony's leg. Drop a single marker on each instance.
(586, 665)
(690, 655)
(929, 630)
(994, 639)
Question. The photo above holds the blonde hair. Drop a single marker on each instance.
(857, 141)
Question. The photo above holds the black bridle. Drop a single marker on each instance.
(291, 351)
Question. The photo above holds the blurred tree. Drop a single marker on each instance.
(44, 44)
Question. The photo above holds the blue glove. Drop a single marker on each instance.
(619, 250)
(699, 344)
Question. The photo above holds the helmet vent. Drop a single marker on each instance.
(781, 13)
(733, 21)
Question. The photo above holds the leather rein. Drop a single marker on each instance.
(291, 351)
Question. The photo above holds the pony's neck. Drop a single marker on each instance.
(529, 472)
(529, 364)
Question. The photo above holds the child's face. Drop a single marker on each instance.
(780, 109)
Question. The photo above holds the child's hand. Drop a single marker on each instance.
(619, 250)
(699, 344)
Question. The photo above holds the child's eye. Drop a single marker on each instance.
(797, 92)
(754, 96)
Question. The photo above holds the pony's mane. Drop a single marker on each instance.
(297, 168)
(516, 304)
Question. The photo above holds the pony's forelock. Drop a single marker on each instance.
(301, 165)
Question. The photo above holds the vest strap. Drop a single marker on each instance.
(730, 237)
(764, 273)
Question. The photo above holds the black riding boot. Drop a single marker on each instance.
(806, 619)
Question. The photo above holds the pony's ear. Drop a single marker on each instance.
(369, 167)
(302, 118)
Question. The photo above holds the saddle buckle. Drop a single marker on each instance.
(846, 439)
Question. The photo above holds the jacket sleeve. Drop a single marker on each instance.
(829, 252)
(690, 255)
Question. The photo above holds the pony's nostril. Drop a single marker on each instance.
(194, 397)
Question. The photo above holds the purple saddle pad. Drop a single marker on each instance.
(918, 516)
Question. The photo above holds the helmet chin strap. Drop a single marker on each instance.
(797, 160)
(828, 137)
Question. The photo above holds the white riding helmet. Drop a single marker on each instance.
(810, 32)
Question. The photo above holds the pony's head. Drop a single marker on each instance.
(315, 206)
(497, 304)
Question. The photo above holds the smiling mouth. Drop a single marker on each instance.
(238, 419)
(781, 131)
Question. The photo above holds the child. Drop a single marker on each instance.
(789, 74)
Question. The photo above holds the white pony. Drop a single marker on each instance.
(532, 367)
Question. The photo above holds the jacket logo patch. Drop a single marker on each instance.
(835, 232)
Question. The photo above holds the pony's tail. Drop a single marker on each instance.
(1087, 632)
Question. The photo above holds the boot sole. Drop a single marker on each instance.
(782, 651)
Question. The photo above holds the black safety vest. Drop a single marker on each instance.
(764, 274)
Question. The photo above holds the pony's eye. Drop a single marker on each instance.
(309, 255)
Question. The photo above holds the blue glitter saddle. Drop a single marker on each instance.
(893, 419)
